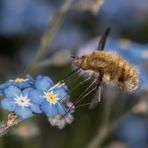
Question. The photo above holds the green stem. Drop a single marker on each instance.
(102, 132)
(105, 131)
(42, 64)
(50, 33)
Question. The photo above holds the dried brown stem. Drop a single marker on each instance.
(13, 119)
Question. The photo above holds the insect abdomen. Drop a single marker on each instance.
(116, 70)
(122, 73)
(125, 76)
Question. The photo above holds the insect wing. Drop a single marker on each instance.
(103, 39)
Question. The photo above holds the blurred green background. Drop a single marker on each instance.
(70, 28)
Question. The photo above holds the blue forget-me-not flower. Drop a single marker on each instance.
(18, 82)
(18, 101)
(59, 120)
(50, 97)
(28, 96)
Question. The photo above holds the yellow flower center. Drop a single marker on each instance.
(51, 98)
(20, 80)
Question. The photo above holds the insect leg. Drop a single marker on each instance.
(83, 95)
(97, 97)
(86, 90)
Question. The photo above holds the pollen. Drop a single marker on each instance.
(20, 80)
(51, 98)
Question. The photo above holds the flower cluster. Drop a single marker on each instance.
(27, 96)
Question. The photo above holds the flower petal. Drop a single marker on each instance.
(8, 104)
(36, 96)
(21, 85)
(1, 93)
(61, 109)
(31, 80)
(5, 85)
(26, 91)
(23, 112)
(60, 93)
(12, 92)
(43, 83)
(64, 87)
(35, 108)
(49, 109)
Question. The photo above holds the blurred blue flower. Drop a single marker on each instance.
(49, 96)
(4, 86)
(118, 11)
(19, 102)
(18, 82)
(133, 130)
(15, 13)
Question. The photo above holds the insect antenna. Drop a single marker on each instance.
(102, 41)
(73, 57)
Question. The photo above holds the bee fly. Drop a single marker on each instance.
(106, 67)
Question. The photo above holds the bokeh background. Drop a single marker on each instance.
(72, 28)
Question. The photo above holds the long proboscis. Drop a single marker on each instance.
(69, 74)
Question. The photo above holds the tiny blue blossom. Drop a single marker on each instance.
(22, 82)
(3, 87)
(49, 96)
(17, 100)
(59, 120)
(18, 82)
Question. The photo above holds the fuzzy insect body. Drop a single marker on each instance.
(105, 67)
(116, 70)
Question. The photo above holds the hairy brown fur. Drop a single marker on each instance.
(116, 70)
